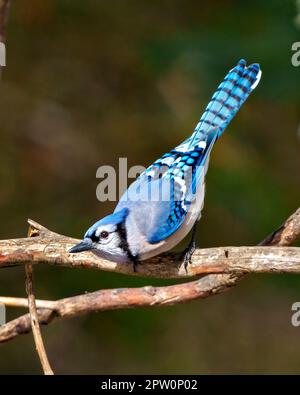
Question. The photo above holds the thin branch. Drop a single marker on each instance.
(122, 298)
(142, 297)
(4, 10)
(23, 302)
(34, 320)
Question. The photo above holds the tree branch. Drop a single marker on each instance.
(147, 296)
(51, 248)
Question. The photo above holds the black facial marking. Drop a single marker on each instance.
(123, 242)
(103, 235)
(94, 238)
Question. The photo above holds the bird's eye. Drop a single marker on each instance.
(104, 234)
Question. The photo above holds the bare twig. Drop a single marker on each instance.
(23, 302)
(4, 9)
(112, 299)
(34, 320)
(141, 297)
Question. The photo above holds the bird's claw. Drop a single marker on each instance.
(187, 255)
(135, 264)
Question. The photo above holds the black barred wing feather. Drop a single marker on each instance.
(164, 192)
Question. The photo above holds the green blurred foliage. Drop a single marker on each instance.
(89, 82)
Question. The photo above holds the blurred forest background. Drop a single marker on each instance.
(87, 82)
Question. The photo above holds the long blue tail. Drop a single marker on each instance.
(226, 101)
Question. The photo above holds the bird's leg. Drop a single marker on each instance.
(188, 252)
(135, 262)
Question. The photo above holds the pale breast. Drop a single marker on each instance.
(147, 250)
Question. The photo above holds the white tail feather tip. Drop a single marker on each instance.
(254, 85)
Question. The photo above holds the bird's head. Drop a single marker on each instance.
(107, 237)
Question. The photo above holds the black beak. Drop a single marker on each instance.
(84, 245)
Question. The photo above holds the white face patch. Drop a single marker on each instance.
(107, 228)
(110, 247)
(110, 242)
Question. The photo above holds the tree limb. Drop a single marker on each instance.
(51, 248)
(141, 297)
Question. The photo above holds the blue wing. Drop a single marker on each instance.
(161, 196)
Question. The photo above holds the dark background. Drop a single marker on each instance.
(87, 82)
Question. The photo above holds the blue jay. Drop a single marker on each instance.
(164, 203)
